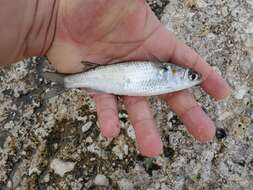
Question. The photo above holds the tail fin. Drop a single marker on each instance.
(54, 77)
(58, 84)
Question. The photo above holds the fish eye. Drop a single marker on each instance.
(193, 75)
(164, 68)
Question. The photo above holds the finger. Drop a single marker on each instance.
(148, 139)
(194, 118)
(165, 46)
(107, 112)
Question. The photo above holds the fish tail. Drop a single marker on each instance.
(58, 86)
(54, 77)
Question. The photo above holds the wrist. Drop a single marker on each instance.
(27, 28)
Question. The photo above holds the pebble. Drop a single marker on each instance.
(240, 93)
(16, 179)
(130, 132)
(223, 115)
(33, 171)
(3, 136)
(220, 133)
(61, 167)
(101, 180)
(47, 178)
(125, 149)
(9, 184)
(88, 140)
(125, 184)
(118, 152)
(94, 149)
(86, 126)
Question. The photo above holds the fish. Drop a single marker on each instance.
(134, 78)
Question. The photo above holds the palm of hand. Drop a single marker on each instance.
(108, 31)
(101, 32)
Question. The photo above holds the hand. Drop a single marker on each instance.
(109, 31)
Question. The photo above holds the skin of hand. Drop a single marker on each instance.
(110, 31)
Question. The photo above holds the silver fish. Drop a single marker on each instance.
(133, 79)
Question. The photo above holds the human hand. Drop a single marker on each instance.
(109, 31)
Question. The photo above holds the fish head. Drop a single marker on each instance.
(184, 77)
(192, 77)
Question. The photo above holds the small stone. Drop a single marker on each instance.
(170, 115)
(125, 149)
(88, 140)
(240, 93)
(16, 179)
(117, 151)
(220, 133)
(3, 136)
(33, 171)
(55, 146)
(47, 178)
(61, 167)
(9, 184)
(94, 149)
(88, 184)
(169, 152)
(125, 184)
(130, 132)
(101, 180)
(86, 126)
(223, 115)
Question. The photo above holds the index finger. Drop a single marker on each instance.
(165, 46)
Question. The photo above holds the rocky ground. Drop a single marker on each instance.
(55, 143)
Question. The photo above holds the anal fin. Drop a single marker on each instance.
(92, 92)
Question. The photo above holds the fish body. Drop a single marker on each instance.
(134, 79)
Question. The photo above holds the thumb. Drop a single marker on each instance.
(65, 57)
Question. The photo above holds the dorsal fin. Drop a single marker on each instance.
(89, 65)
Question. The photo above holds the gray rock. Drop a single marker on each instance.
(125, 184)
(61, 167)
(101, 180)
